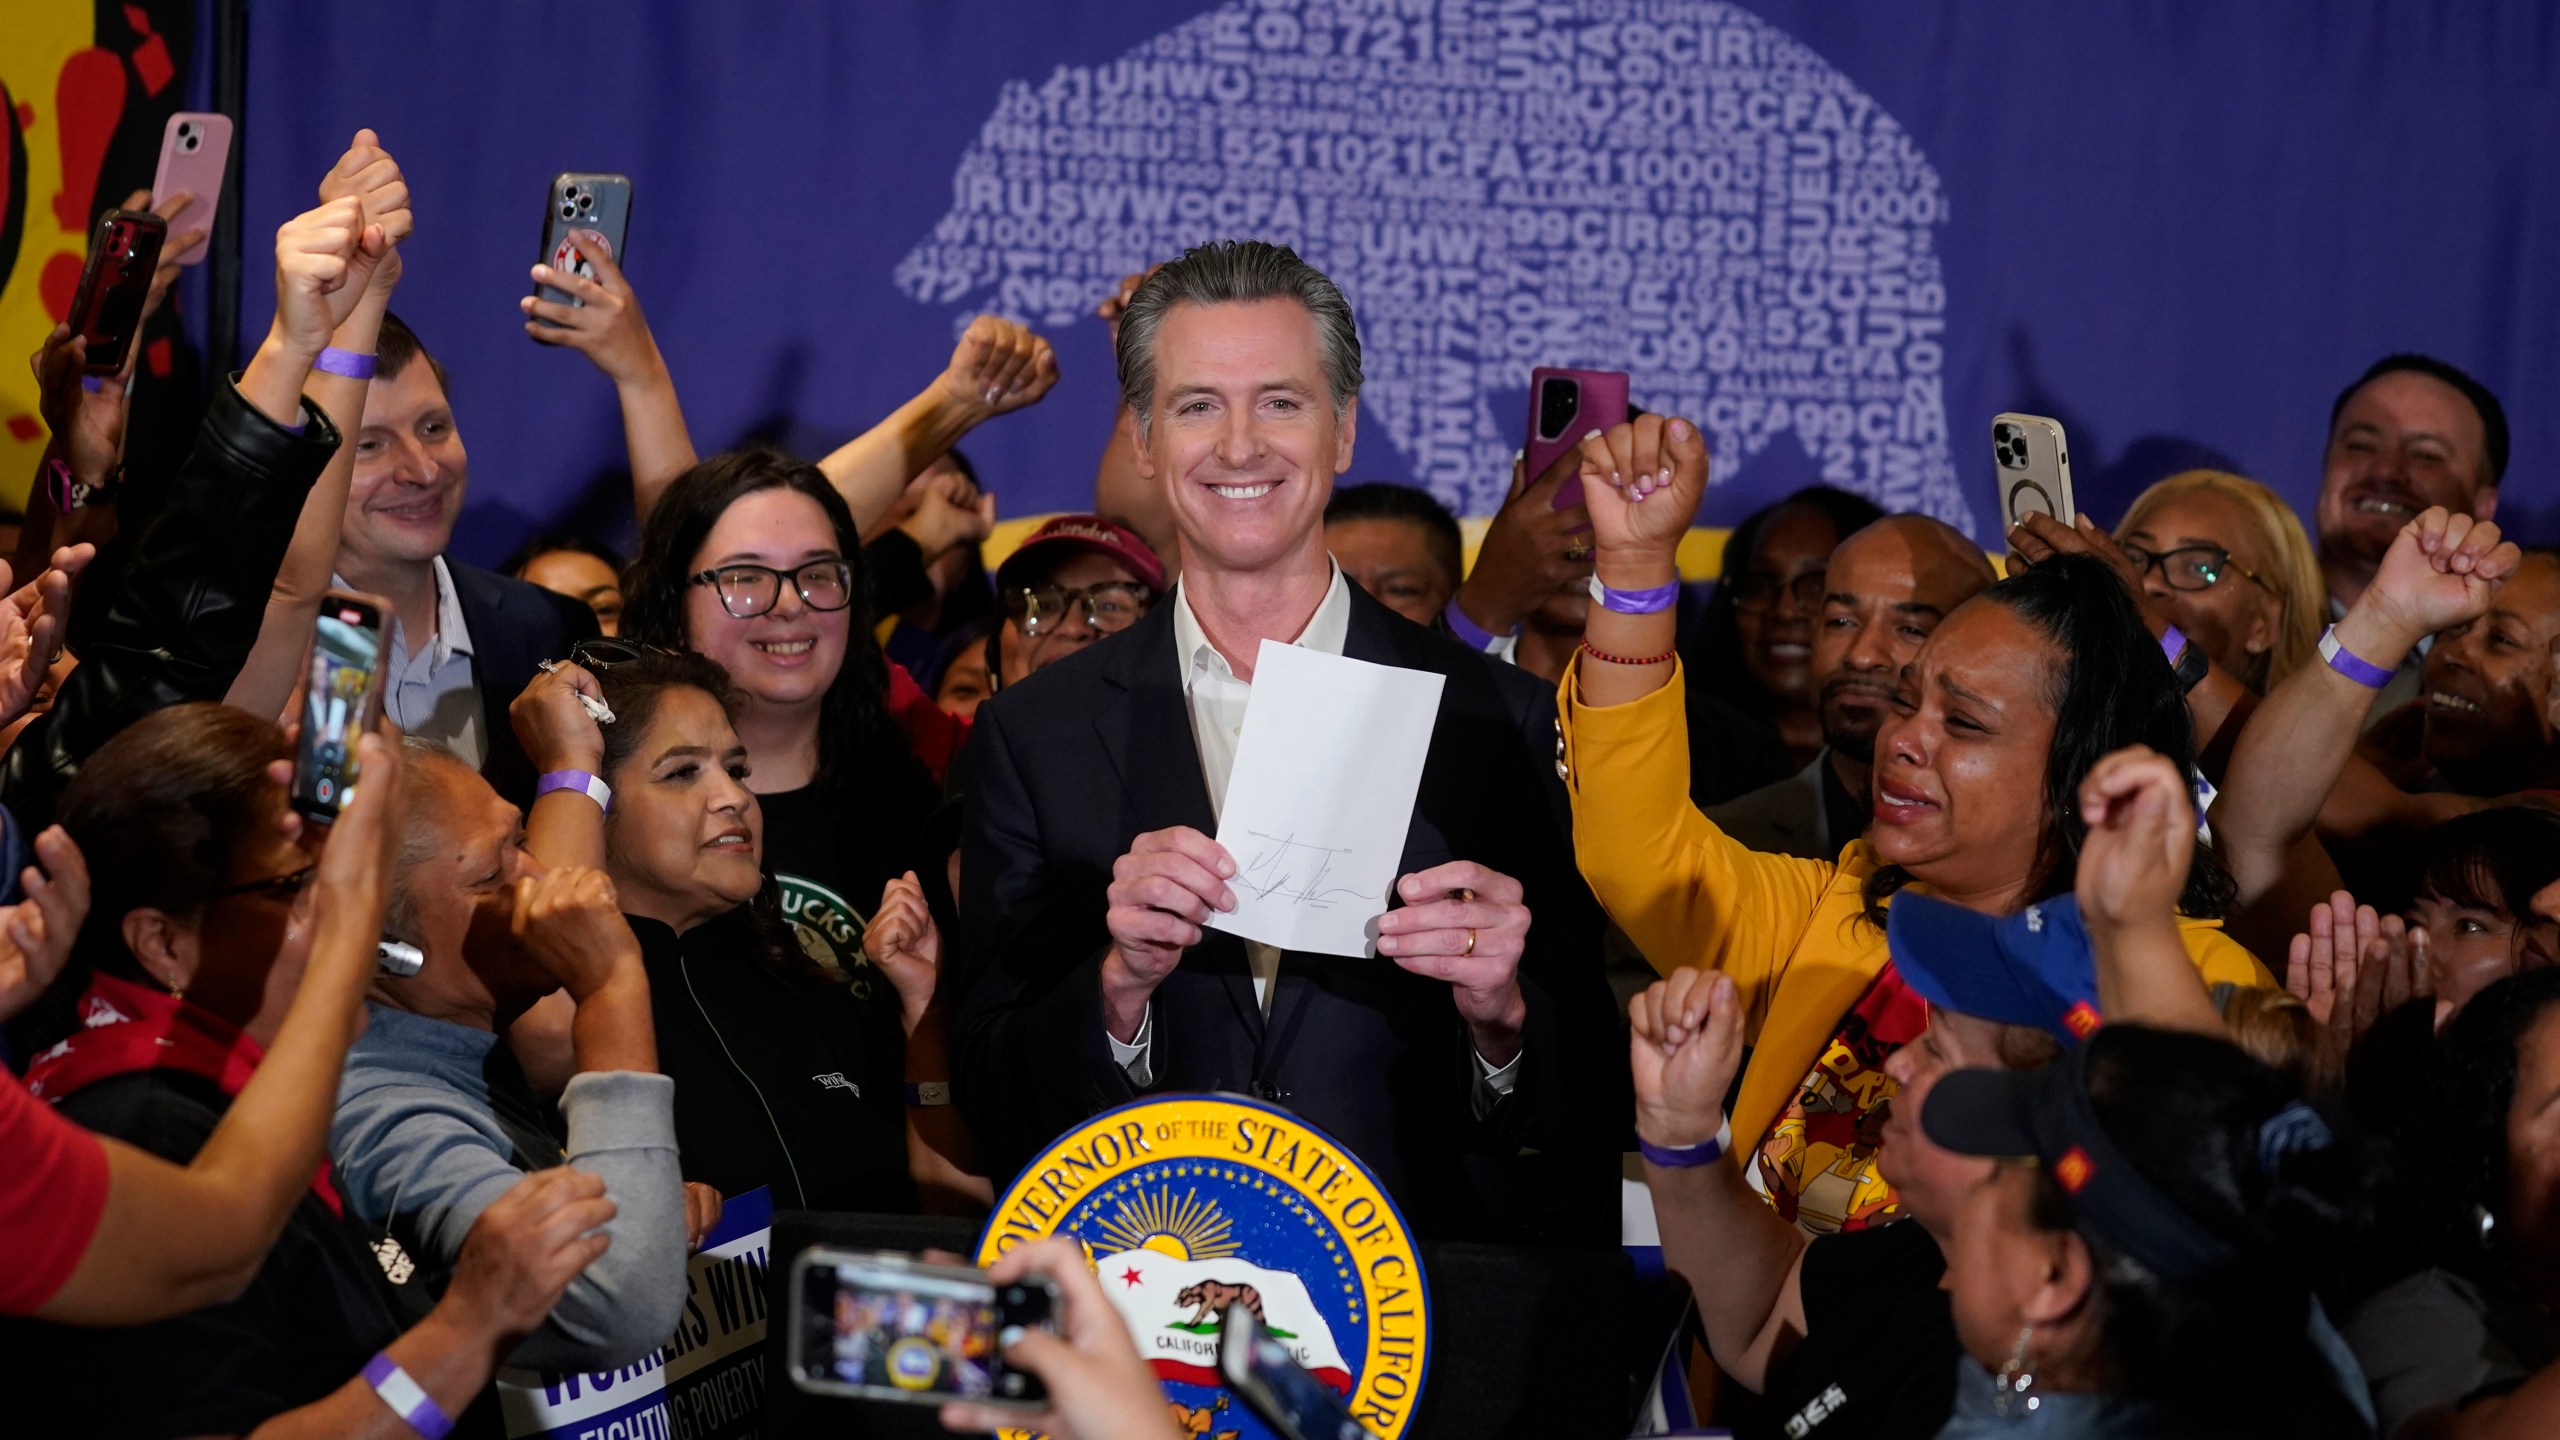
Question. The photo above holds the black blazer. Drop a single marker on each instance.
(1071, 765)
(514, 626)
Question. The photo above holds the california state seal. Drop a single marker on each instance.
(1188, 1205)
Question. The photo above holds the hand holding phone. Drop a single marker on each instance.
(878, 1326)
(340, 698)
(115, 284)
(195, 150)
(596, 203)
(2035, 468)
(1564, 406)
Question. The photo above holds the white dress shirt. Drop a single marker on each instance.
(1217, 702)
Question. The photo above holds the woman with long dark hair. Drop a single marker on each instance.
(751, 560)
(2146, 1263)
(2001, 715)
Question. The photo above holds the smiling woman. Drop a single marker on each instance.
(745, 1015)
(2487, 684)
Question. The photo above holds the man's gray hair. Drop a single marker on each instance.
(422, 829)
(1236, 271)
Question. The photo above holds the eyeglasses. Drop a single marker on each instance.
(604, 652)
(1758, 590)
(747, 591)
(1112, 606)
(281, 887)
(2189, 567)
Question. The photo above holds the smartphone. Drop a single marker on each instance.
(888, 1327)
(1564, 406)
(601, 203)
(195, 148)
(107, 308)
(2035, 468)
(1295, 1404)
(340, 700)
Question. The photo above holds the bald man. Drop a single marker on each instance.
(1889, 585)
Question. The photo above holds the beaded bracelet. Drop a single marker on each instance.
(1665, 658)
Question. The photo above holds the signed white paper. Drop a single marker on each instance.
(1321, 796)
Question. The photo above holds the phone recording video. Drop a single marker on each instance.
(1297, 1406)
(884, 1327)
(338, 701)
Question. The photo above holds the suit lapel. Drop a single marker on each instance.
(1145, 731)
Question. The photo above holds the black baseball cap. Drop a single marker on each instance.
(2045, 1115)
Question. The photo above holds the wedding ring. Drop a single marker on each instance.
(1471, 945)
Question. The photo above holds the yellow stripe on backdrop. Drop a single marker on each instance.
(37, 38)
(1700, 553)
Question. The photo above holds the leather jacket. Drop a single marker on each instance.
(168, 611)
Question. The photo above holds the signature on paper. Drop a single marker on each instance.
(1285, 868)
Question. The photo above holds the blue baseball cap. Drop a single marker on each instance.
(2032, 968)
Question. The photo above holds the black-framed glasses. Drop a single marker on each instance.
(2189, 567)
(283, 887)
(1758, 589)
(1111, 606)
(747, 591)
(604, 652)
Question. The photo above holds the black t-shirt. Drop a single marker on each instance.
(1878, 1358)
(782, 1078)
(306, 1325)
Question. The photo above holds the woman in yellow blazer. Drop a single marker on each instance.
(1995, 723)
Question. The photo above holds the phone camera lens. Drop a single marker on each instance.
(586, 203)
(568, 211)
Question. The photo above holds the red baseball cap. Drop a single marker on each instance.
(1061, 534)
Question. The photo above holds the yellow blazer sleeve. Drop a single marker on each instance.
(2218, 957)
(1683, 890)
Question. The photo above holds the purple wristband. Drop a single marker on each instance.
(407, 1399)
(2350, 664)
(1651, 601)
(1476, 636)
(335, 361)
(2173, 643)
(1683, 1157)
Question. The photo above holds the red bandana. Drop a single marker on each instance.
(126, 1028)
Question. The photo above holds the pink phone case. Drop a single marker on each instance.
(195, 148)
(1598, 402)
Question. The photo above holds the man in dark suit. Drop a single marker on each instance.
(464, 641)
(1477, 1065)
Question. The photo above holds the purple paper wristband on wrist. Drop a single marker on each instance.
(1683, 1157)
(1650, 601)
(407, 1399)
(1474, 635)
(2350, 664)
(335, 361)
(2173, 643)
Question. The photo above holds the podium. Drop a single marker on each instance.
(1534, 1344)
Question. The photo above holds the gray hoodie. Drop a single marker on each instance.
(416, 1141)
